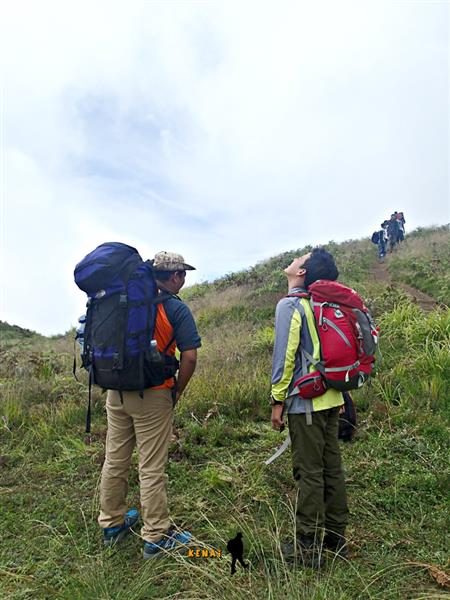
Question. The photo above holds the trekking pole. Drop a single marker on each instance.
(285, 445)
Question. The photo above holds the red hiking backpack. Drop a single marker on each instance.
(348, 339)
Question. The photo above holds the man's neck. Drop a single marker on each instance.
(295, 282)
(165, 288)
(297, 290)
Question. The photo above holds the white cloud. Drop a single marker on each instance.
(226, 132)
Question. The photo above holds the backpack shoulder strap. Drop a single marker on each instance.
(160, 298)
(306, 295)
(304, 354)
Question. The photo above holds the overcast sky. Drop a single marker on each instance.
(226, 131)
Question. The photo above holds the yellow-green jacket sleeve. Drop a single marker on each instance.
(288, 323)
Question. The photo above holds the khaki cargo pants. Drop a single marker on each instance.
(147, 423)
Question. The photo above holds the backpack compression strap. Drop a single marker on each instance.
(88, 413)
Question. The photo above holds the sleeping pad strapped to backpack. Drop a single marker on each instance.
(120, 321)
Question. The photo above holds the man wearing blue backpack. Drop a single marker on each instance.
(379, 238)
(144, 418)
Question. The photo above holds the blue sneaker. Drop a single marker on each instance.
(112, 535)
(171, 540)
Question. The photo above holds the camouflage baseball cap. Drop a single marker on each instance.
(169, 261)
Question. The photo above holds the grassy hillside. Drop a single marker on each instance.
(13, 334)
(423, 261)
(397, 468)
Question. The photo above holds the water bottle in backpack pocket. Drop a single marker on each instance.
(160, 366)
(79, 332)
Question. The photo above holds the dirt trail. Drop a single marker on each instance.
(381, 273)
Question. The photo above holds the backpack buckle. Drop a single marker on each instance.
(116, 364)
(123, 300)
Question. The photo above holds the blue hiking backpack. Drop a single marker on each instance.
(117, 345)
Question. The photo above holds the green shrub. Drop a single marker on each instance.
(263, 340)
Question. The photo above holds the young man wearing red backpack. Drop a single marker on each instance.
(313, 422)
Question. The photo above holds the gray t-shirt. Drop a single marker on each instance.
(182, 321)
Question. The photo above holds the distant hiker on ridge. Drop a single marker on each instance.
(401, 225)
(379, 238)
(393, 231)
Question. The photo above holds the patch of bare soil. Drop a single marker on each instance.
(381, 273)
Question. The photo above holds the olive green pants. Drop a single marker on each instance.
(145, 423)
(316, 461)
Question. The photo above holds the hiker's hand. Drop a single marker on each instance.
(277, 419)
(175, 397)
